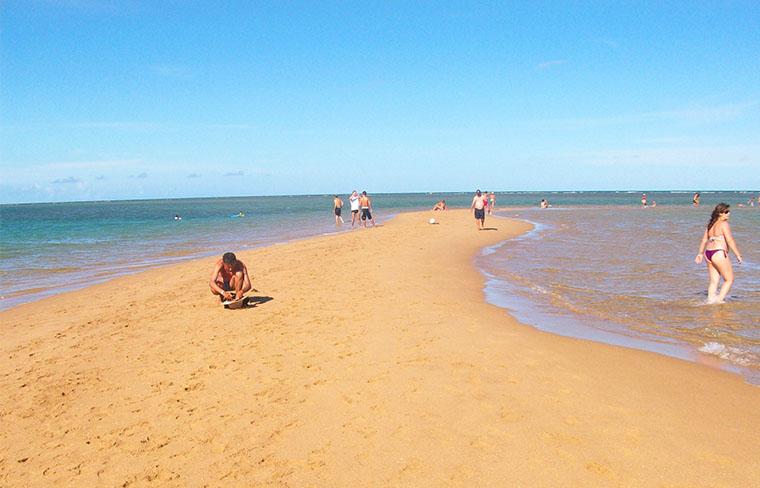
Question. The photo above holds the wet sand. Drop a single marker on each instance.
(371, 359)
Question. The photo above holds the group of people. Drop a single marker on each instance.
(230, 279)
(358, 203)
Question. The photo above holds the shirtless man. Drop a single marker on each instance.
(491, 202)
(479, 203)
(440, 206)
(354, 201)
(229, 277)
(366, 204)
(338, 208)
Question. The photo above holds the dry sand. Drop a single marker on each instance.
(375, 363)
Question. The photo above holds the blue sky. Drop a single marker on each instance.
(130, 99)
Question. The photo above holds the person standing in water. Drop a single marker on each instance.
(716, 243)
(695, 199)
(643, 199)
(479, 203)
(337, 209)
(491, 202)
(353, 200)
(366, 204)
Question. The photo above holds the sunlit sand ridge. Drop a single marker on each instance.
(375, 363)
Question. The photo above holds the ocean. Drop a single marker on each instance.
(596, 266)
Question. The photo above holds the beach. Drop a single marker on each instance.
(370, 359)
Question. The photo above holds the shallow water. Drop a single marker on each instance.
(597, 266)
(626, 275)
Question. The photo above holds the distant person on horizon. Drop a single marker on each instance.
(695, 199)
(337, 209)
(544, 203)
(229, 279)
(177, 217)
(486, 207)
(716, 243)
(479, 203)
(491, 202)
(440, 206)
(366, 205)
(353, 200)
(643, 199)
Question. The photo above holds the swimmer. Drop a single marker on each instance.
(337, 209)
(177, 217)
(479, 204)
(643, 199)
(695, 199)
(440, 206)
(544, 203)
(716, 242)
(229, 279)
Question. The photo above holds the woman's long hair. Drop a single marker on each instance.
(719, 209)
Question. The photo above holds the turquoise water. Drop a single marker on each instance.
(598, 266)
(627, 276)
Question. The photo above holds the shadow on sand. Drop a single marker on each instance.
(251, 302)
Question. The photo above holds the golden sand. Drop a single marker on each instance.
(375, 363)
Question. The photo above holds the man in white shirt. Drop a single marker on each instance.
(354, 201)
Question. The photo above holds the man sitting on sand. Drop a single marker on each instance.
(230, 278)
(440, 206)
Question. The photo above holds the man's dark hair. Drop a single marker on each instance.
(364, 193)
(229, 258)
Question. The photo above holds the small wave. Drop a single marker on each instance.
(539, 289)
(736, 355)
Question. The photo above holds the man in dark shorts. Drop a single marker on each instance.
(229, 279)
(366, 206)
(479, 203)
(338, 209)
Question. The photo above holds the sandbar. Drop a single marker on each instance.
(370, 358)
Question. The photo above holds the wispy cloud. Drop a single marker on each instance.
(140, 176)
(741, 155)
(236, 173)
(144, 126)
(551, 63)
(67, 181)
(609, 43)
(90, 165)
(193, 175)
(118, 125)
(167, 70)
(697, 114)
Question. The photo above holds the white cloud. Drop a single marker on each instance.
(89, 165)
(67, 181)
(697, 114)
(167, 70)
(551, 63)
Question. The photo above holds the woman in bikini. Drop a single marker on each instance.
(716, 242)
